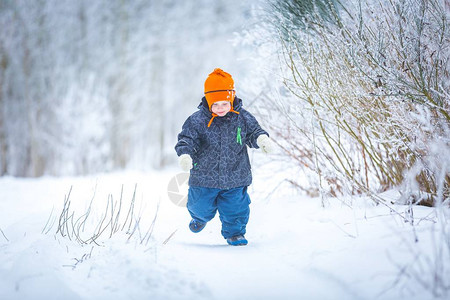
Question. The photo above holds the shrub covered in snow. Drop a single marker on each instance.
(368, 102)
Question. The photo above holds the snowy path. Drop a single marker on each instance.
(270, 266)
(297, 249)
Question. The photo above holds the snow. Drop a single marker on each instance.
(298, 249)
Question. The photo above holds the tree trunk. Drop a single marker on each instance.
(3, 144)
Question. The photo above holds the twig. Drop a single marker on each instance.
(130, 210)
(170, 236)
(63, 217)
(116, 226)
(48, 221)
(4, 235)
(350, 235)
(149, 232)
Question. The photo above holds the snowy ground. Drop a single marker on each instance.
(297, 249)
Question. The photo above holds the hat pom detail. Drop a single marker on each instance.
(220, 72)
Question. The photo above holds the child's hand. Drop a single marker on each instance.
(265, 143)
(185, 162)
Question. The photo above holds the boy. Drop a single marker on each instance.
(213, 147)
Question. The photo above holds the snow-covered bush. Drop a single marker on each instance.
(368, 102)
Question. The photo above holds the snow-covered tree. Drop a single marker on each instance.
(90, 86)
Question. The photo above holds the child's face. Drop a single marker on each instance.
(221, 108)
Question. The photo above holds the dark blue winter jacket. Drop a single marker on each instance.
(219, 152)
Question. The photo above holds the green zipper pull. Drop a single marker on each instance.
(238, 136)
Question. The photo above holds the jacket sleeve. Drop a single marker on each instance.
(253, 130)
(188, 139)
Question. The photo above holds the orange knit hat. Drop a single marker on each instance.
(219, 86)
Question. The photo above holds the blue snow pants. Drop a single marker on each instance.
(232, 204)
